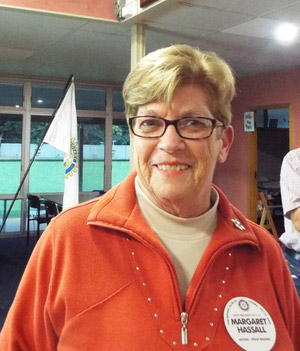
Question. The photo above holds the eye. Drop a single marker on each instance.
(148, 123)
(194, 123)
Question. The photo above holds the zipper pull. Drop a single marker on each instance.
(184, 335)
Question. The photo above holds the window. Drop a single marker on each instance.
(86, 99)
(10, 152)
(10, 165)
(47, 170)
(120, 150)
(118, 103)
(100, 167)
(13, 222)
(11, 94)
(277, 118)
(91, 136)
(90, 99)
(45, 96)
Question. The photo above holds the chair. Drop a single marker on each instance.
(59, 208)
(266, 219)
(45, 210)
(100, 192)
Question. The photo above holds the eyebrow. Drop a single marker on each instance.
(193, 113)
(148, 113)
(188, 113)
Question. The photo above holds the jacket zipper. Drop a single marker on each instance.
(183, 316)
(184, 333)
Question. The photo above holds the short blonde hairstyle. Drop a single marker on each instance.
(159, 73)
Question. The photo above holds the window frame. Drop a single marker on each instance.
(27, 111)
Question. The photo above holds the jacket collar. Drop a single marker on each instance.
(233, 222)
(118, 209)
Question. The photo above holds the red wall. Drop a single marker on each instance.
(265, 90)
(91, 8)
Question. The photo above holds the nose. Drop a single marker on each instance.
(171, 141)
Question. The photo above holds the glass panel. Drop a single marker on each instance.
(11, 94)
(120, 150)
(118, 102)
(273, 118)
(47, 171)
(86, 99)
(13, 222)
(46, 97)
(91, 151)
(90, 99)
(10, 152)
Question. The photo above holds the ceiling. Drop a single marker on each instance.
(41, 45)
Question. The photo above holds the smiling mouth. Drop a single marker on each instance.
(172, 167)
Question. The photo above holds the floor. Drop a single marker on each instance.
(14, 255)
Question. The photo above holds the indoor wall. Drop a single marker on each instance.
(103, 9)
(261, 91)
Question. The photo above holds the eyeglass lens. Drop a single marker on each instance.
(187, 127)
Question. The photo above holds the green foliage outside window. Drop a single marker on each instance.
(120, 134)
(11, 130)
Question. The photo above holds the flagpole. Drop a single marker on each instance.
(70, 80)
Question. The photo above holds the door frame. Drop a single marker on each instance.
(252, 157)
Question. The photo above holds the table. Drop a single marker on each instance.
(58, 197)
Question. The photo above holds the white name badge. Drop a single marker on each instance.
(249, 324)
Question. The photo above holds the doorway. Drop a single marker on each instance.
(272, 145)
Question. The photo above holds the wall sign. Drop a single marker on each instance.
(249, 125)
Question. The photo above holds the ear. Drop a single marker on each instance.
(227, 140)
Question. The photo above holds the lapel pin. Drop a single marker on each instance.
(238, 224)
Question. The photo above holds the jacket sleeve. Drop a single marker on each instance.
(28, 326)
(283, 286)
(287, 296)
(291, 307)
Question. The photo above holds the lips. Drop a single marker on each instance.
(167, 167)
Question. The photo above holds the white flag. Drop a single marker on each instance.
(62, 134)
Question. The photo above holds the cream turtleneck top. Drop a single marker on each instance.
(184, 238)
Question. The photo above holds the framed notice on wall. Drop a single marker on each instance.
(249, 125)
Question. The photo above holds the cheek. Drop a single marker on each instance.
(204, 164)
(206, 160)
(142, 155)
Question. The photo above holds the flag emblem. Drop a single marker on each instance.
(71, 162)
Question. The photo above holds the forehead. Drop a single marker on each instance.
(188, 99)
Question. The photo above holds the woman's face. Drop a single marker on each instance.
(176, 173)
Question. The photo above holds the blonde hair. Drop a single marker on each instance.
(159, 73)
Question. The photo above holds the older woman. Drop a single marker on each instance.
(163, 261)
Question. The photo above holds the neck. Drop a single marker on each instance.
(184, 207)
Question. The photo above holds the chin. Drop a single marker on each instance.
(169, 193)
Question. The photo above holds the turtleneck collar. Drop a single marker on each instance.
(166, 224)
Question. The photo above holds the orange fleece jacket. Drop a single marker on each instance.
(99, 279)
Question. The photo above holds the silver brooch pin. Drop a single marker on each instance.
(238, 224)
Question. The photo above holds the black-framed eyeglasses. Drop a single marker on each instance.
(193, 128)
